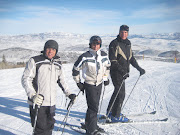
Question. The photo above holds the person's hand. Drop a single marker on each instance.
(125, 76)
(38, 99)
(81, 86)
(106, 82)
(142, 71)
(72, 97)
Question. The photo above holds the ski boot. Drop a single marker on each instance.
(122, 118)
(95, 132)
(100, 129)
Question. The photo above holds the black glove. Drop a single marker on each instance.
(81, 86)
(106, 82)
(125, 76)
(72, 96)
(142, 71)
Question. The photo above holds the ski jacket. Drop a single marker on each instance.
(121, 56)
(41, 76)
(94, 65)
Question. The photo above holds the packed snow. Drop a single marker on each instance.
(157, 90)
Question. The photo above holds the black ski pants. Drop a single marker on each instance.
(117, 81)
(92, 97)
(45, 119)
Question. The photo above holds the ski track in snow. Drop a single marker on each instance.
(157, 90)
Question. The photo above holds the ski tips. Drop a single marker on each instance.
(154, 112)
(166, 119)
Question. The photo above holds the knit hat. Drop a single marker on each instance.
(124, 27)
(51, 44)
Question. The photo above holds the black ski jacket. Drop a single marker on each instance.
(121, 56)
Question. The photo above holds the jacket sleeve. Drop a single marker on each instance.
(134, 63)
(62, 84)
(76, 69)
(107, 69)
(27, 78)
(112, 51)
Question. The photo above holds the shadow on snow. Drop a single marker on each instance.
(9, 106)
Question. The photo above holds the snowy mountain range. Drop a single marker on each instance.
(19, 48)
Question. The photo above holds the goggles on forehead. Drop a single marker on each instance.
(96, 42)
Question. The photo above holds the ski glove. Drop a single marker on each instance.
(125, 76)
(106, 82)
(38, 99)
(81, 86)
(142, 71)
(72, 96)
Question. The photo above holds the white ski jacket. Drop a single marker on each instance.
(95, 67)
(41, 76)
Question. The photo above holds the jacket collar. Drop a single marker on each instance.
(126, 41)
(54, 58)
(93, 52)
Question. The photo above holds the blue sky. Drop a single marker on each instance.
(89, 16)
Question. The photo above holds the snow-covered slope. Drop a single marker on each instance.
(157, 90)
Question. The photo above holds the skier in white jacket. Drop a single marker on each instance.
(95, 67)
(40, 79)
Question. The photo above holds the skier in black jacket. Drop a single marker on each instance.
(121, 56)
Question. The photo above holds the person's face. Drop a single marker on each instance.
(50, 53)
(123, 34)
(95, 46)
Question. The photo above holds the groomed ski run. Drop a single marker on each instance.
(158, 91)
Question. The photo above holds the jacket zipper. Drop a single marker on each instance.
(51, 62)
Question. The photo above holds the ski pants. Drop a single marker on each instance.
(117, 81)
(93, 94)
(45, 119)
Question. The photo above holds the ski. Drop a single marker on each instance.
(133, 115)
(141, 114)
(79, 129)
(163, 120)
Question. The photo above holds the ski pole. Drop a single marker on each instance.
(68, 108)
(36, 115)
(35, 120)
(130, 93)
(68, 111)
(67, 114)
(101, 102)
(115, 99)
(66, 102)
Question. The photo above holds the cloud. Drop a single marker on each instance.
(91, 15)
(162, 27)
(160, 11)
(35, 19)
(3, 10)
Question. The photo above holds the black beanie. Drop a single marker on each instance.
(124, 27)
(51, 44)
